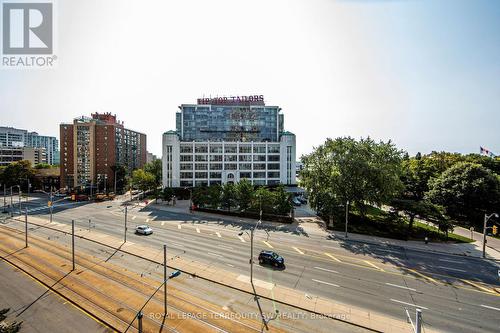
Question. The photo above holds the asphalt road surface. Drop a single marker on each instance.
(378, 278)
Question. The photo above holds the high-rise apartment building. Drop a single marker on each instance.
(226, 139)
(15, 154)
(14, 137)
(92, 147)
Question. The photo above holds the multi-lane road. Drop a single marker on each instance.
(454, 292)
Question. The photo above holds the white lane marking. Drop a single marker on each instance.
(410, 304)
(178, 245)
(229, 265)
(331, 247)
(147, 220)
(179, 226)
(328, 283)
(189, 238)
(397, 286)
(373, 265)
(218, 234)
(269, 245)
(453, 261)
(162, 222)
(326, 270)
(490, 307)
(197, 230)
(297, 249)
(241, 239)
(134, 217)
(452, 269)
(225, 247)
(331, 256)
(214, 254)
(154, 217)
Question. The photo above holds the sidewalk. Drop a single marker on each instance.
(314, 304)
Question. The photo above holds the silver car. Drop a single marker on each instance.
(143, 230)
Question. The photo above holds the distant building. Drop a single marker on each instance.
(14, 154)
(91, 147)
(14, 137)
(224, 140)
(150, 157)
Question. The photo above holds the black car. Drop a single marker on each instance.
(271, 258)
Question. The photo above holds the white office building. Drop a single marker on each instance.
(225, 140)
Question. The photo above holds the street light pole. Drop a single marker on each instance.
(26, 226)
(73, 242)
(165, 280)
(125, 231)
(51, 204)
(4, 201)
(346, 217)
(485, 228)
(11, 203)
(114, 189)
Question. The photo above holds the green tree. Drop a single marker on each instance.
(167, 193)
(143, 180)
(421, 208)
(121, 181)
(244, 191)
(283, 201)
(16, 173)
(155, 169)
(467, 191)
(265, 199)
(344, 170)
(228, 196)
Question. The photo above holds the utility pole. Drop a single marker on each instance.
(105, 182)
(125, 231)
(11, 203)
(165, 280)
(485, 229)
(418, 321)
(346, 217)
(20, 209)
(139, 319)
(51, 203)
(4, 201)
(73, 242)
(26, 226)
(114, 189)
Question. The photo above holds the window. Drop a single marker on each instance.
(260, 158)
(245, 166)
(230, 149)
(186, 166)
(201, 166)
(216, 149)
(201, 174)
(245, 158)
(201, 158)
(273, 174)
(231, 166)
(273, 149)
(273, 166)
(201, 149)
(216, 158)
(259, 149)
(186, 149)
(245, 175)
(187, 175)
(186, 183)
(259, 166)
(273, 158)
(245, 149)
(215, 166)
(215, 175)
(230, 158)
(259, 175)
(186, 158)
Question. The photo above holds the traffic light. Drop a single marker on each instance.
(495, 230)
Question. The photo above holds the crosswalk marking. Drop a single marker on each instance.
(147, 220)
(241, 239)
(218, 234)
(134, 217)
(162, 222)
(298, 250)
(373, 265)
(198, 230)
(332, 257)
(179, 226)
(269, 245)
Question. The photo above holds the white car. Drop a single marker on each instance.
(143, 230)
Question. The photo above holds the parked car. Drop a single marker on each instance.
(302, 199)
(296, 202)
(143, 230)
(271, 258)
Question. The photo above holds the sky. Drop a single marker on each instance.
(422, 73)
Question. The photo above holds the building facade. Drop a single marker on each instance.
(14, 137)
(223, 140)
(14, 154)
(92, 147)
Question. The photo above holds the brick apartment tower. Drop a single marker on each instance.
(90, 147)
